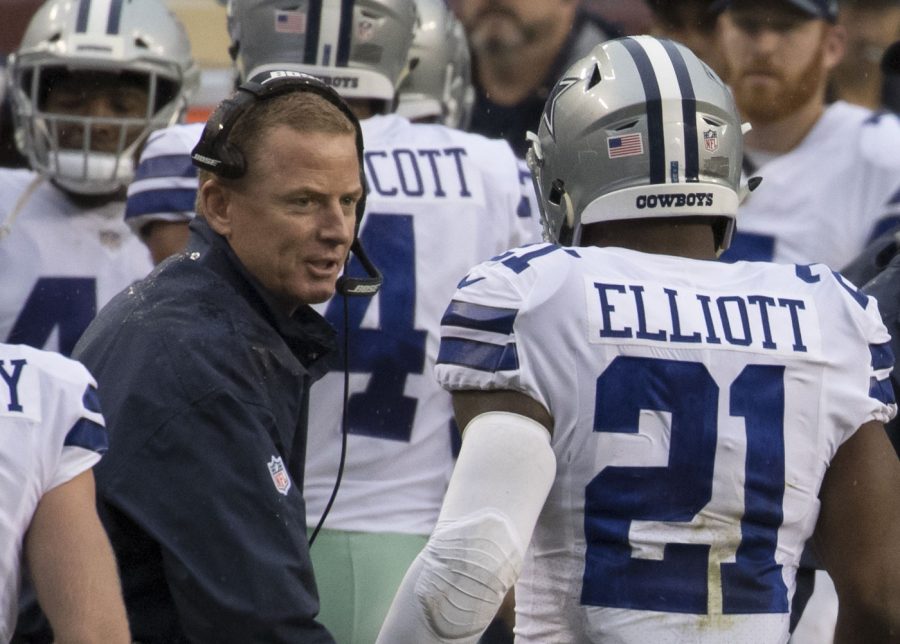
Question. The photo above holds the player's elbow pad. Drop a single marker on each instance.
(467, 569)
(475, 554)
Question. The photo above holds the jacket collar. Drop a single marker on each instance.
(310, 337)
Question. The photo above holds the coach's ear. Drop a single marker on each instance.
(214, 204)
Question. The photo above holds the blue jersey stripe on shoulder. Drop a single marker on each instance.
(882, 391)
(90, 400)
(166, 200)
(482, 318)
(89, 435)
(166, 165)
(882, 356)
(478, 355)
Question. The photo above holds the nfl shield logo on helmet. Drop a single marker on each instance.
(711, 140)
(279, 475)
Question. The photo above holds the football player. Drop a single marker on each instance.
(90, 80)
(651, 435)
(52, 433)
(439, 200)
(438, 87)
(832, 175)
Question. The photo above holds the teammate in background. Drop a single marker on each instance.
(51, 434)
(690, 22)
(647, 441)
(871, 25)
(90, 80)
(831, 172)
(438, 87)
(519, 48)
(440, 200)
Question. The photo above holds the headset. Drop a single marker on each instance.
(214, 152)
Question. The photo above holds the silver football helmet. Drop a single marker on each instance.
(439, 84)
(639, 128)
(142, 41)
(359, 47)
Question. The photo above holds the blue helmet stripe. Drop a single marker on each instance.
(656, 142)
(115, 17)
(313, 27)
(84, 10)
(344, 37)
(689, 110)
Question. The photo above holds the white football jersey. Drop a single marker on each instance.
(827, 198)
(51, 430)
(696, 408)
(61, 262)
(439, 201)
(165, 182)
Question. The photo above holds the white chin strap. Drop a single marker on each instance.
(93, 174)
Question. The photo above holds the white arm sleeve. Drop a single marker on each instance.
(455, 586)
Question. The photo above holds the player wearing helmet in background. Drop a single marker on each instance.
(439, 200)
(438, 88)
(649, 433)
(89, 82)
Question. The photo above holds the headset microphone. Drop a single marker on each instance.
(365, 286)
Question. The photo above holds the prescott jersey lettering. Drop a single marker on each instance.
(418, 172)
(692, 428)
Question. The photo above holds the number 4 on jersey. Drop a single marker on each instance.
(396, 349)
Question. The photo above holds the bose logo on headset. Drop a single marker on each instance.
(214, 153)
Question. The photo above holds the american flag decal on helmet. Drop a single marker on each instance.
(625, 145)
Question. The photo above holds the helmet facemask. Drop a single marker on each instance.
(139, 56)
(84, 153)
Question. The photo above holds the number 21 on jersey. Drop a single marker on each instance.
(684, 578)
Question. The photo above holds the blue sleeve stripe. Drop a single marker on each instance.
(90, 400)
(89, 435)
(166, 200)
(882, 356)
(478, 355)
(882, 391)
(166, 165)
(895, 198)
(480, 317)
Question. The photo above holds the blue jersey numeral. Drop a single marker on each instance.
(66, 303)
(677, 492)
(394, 350)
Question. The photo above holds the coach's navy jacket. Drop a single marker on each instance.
(204, 386)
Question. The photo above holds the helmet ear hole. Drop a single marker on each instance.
(596, 77)
(557, 190)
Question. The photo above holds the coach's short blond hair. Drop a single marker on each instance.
(303, 111)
